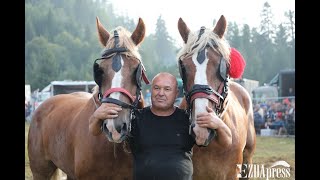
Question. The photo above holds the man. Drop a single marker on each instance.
(159, 139)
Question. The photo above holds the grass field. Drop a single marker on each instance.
(268, 151)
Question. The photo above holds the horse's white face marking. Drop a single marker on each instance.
(116, 82)
(200, 78)
(200, 103)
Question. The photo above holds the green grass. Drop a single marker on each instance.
(268, 151)
(272, 149)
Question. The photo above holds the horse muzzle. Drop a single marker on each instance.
(202, 136)
(115, 131)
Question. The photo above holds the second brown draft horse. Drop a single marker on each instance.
(204, 63)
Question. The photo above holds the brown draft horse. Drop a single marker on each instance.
(59, 135)
(204, 68)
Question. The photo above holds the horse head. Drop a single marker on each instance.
(118, 74)
(204, 69)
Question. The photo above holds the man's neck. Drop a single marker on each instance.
(162, 112)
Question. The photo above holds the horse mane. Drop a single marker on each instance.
(193, 46)
(124, 41)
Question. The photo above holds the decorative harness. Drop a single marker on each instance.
(116, 66)
(218, 96)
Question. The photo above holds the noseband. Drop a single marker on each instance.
(116, 66)
(205, 91)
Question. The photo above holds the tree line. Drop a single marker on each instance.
(61, 42)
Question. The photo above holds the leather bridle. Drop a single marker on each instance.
(115, 53)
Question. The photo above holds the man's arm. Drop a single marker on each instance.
(212, 121)
(105, 111)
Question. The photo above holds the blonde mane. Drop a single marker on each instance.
(222, 45)
(124, 41)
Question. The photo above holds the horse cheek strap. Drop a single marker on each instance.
(182, 72)
(180, 69)
(97, 72)
(138, 75)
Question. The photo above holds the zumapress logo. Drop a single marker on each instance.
(277, 170)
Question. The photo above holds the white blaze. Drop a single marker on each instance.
(116, 82)
(200, 103)
(200, 78)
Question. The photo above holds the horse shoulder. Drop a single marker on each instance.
(242, 95)
(245, 100)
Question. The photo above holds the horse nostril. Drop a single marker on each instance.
(121, 129)
(118, 128)
(124, 128)
(104, 126)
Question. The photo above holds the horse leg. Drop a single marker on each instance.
(58, 175)
(69, 178)
(248, 151)
(41, 167)
(43, 171)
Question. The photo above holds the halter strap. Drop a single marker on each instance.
(118, 89)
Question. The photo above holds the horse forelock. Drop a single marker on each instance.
(124, 41)
(194, 45)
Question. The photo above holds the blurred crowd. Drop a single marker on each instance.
(278, 115)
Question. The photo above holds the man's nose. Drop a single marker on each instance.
(161, 92)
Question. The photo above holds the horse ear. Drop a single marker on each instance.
(139, 33)
(183, 30)
(102, 33)
(220, 27)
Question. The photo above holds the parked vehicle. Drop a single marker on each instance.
(248, 84)
(63, 87)
(281, 86)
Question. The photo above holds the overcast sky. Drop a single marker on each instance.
(197, 13)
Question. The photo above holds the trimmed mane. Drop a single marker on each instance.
(124, 41)
(206, 38)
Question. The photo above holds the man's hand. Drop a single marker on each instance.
(209, 119)
(105, 111)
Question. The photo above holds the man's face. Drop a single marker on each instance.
(164, 92)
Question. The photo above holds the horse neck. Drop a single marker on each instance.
(141, 103)
(183, 104)
(94, 101)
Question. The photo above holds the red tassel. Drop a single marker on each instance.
(237, 64)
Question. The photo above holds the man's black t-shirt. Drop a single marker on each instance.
(161, 146)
